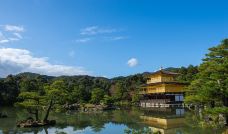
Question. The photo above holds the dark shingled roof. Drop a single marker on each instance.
(163, 72)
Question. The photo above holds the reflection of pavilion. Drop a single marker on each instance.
(169, 121)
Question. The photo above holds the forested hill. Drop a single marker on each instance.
(80, 87)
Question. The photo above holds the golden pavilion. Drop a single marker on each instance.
(162, 90)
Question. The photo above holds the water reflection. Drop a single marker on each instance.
(73, 122)
(164, 120)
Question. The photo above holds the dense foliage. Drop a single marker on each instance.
(82, 89)
(187, 74)
(210, 88)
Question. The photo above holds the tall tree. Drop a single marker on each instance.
(97, 95)
(55, 94)
(34, 101)
(10, 90)
(120, 92)
(211, 85)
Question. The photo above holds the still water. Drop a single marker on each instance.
(164, 120)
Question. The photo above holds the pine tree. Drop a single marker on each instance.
(210, 88)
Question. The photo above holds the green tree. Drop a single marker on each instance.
(108, 100)
(187, 74)
(9, 90)
(55, 94)
(120, 91)
(1, 92)
(32, 102)
(211, 85)
(97, 95)
(135, 98)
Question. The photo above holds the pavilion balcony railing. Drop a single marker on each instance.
(161, 101)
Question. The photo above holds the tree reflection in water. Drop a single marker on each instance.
(161, 119)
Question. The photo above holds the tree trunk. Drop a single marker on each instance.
(225, 103)
(46, 131)
(34, 112)
(48, 111)
(212, 104)
(37, 115)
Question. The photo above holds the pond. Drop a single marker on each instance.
(164, 120)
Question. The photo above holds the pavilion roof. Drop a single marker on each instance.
(163, 72)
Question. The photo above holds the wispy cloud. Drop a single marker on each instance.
(3, 39)
(94, 30)
(115, 38)
(97, 33)
(71, 53)
(13, 28)
(132, 62)
(18, 35)
(13, 61)
(82, 40)
(10, 33)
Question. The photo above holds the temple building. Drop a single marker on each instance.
(162, 90)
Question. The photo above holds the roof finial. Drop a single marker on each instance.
(161, 68)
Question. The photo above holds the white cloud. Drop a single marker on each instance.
(71, 53)
(18, 35)
(13, 39)
(83, 40)
(13, 28)
(3, 39)
(115, 38)
(118, 38)
(13, 61)
(105, 34)
(10, 33)
(7, 39)
(132, 62)
(94, 30)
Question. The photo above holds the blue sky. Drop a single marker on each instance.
(107, 37)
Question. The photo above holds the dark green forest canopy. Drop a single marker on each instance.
(80, 87)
